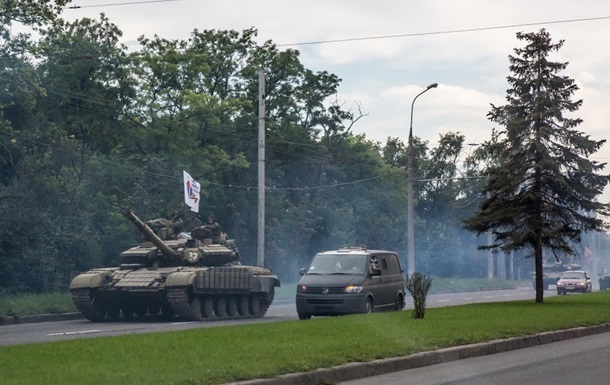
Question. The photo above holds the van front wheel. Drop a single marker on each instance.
(304, 316)
(400, 303)
(368, 306)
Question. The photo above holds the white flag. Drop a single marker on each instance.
(191, 192)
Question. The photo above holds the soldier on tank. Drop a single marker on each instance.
(162, 227)
(167, 229)
(177, 221)
(210, 231)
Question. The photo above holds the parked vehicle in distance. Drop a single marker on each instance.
(574, 281)
(604, 279)
(350, 280)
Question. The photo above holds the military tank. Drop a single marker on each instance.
(551, 272)
(189, 278)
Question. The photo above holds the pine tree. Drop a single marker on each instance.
(542, 188)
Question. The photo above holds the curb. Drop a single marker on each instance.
(354, 371)
(12, 320)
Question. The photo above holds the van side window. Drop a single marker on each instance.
(384, 264)
(392, 264)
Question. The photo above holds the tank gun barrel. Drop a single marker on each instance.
(149, 234)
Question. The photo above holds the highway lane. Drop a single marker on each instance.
(279, 311)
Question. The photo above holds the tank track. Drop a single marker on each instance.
(84, 303)
(178, 299)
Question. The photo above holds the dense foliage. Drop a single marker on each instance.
(87, 127)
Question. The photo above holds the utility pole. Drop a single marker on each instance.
(260, 260)
(410, 214)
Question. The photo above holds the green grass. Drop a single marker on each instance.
(455, 285)
(30, 304)
(224, 354)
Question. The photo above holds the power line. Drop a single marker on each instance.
(117, 4)
(479, 29)
(208, 182)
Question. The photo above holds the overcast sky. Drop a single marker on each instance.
(395, 49)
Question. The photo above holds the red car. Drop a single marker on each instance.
(574, 281)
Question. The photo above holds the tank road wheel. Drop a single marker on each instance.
(207, 310)
(141, 311)
(255, 304)
(232, 306)
(113, 313)
(265, 302)
(154, 310)
(197, 308)
(166, 313)
(221, 307)
(128, 312)
(244, 305)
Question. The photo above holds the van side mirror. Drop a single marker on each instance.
(302, 271)
(375, 272)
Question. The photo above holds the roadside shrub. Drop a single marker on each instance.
(418, 285)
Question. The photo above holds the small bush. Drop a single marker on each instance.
(418, 285)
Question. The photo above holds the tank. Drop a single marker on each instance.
(190, 278)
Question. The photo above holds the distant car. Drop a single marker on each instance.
(574, 281)
(604, 279)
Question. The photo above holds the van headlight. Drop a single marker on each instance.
(353, 289)
(301, 289)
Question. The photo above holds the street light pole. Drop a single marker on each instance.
(410, 232)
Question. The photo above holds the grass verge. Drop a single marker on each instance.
(224, 354)
(30, 304)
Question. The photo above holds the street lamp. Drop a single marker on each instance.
(410, 235)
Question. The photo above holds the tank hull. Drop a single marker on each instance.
(187, 293)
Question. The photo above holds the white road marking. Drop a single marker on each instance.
(72, 333)
(443, 300)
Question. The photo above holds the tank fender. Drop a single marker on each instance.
(263, 284)
(89, 280)
(180, 278)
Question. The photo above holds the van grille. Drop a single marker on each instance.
(319, 290)
(317, 301)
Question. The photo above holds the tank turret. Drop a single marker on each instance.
(149, 234)
(183, 251)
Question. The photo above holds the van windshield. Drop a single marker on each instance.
(338, 264)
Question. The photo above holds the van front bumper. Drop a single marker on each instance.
(330, 304)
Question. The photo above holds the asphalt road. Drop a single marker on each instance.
(582, 361)
(279, 311)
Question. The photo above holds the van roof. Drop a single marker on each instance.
(357, 250)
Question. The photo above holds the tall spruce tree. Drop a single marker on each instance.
(542, 188)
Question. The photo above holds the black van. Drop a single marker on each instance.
(351, 280)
